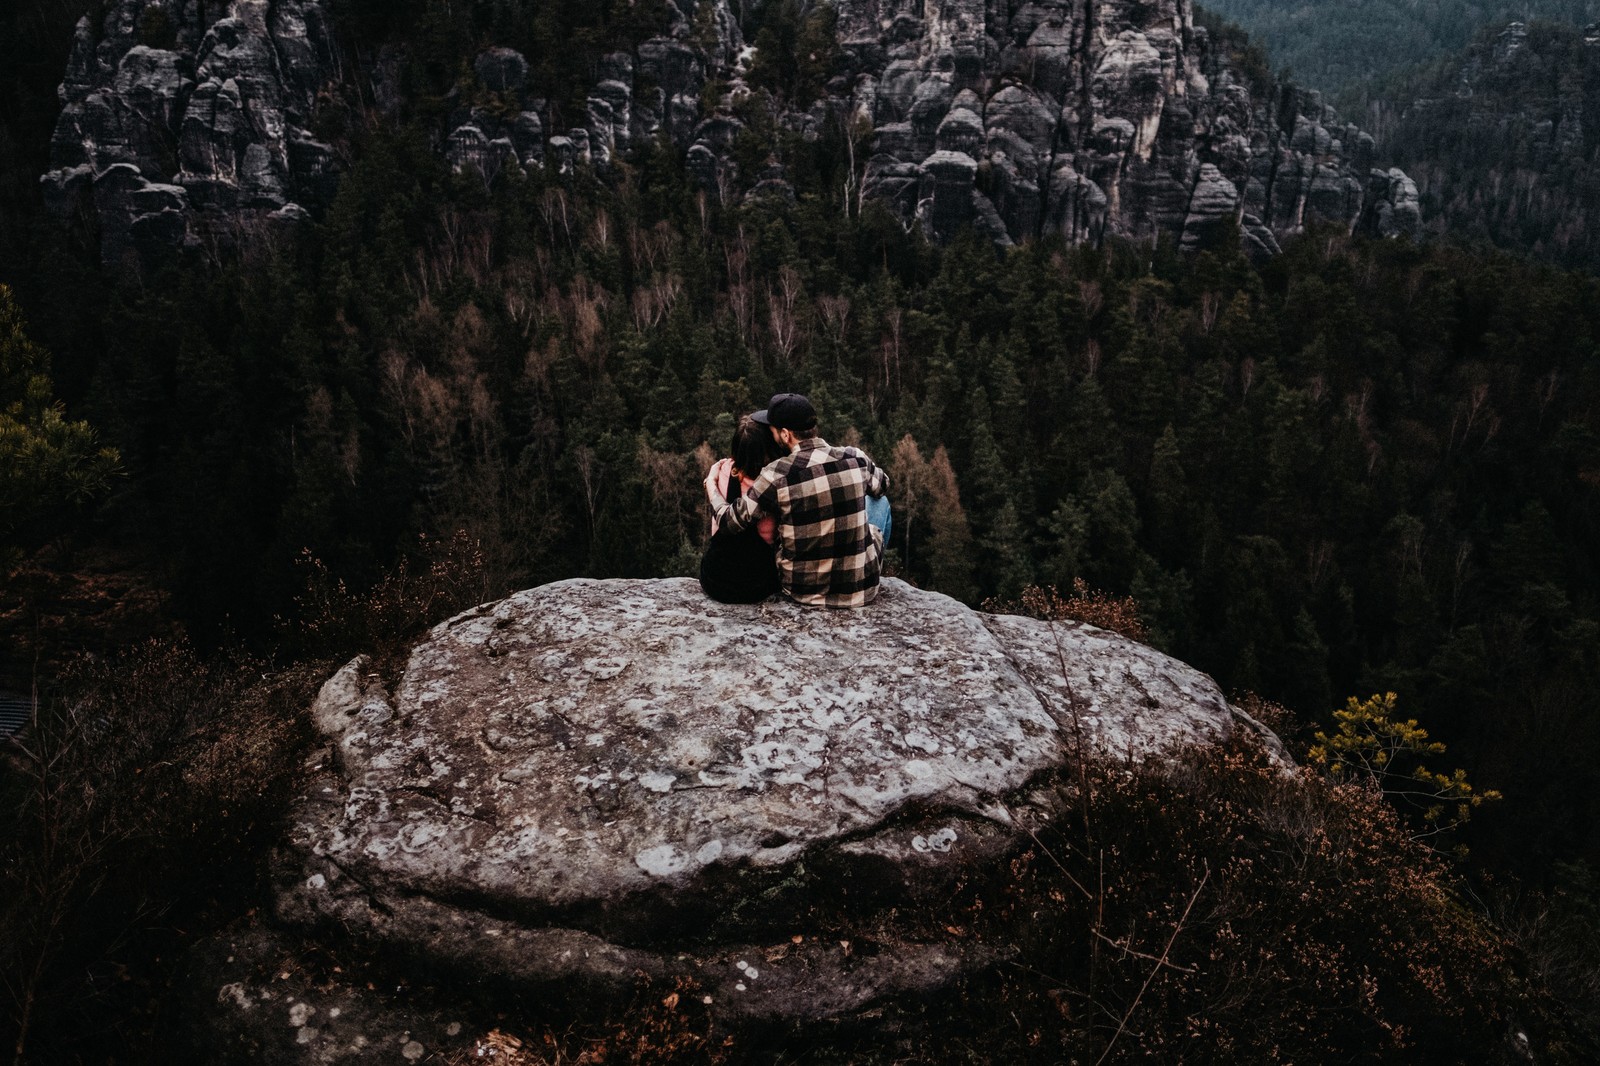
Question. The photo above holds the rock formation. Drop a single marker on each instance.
(1084, 118)
(1088, 118)
(595, 782)
(183, 122)
(187, 124)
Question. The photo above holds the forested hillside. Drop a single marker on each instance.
(1362, 466)
(1342, 48)
(1503, 139)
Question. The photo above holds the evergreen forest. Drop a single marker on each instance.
(1503, 139)
(1343, 49)
(1364, 466)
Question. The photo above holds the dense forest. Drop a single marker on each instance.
(1341, 49)
(1503, 139)
(1364, 466)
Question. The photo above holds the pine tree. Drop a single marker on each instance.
(1168, 493)
(46, 460)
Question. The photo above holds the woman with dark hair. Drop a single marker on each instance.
(742, 567)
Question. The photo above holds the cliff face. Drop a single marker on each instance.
(1095, 117)
(183, 122)
(1085, 118)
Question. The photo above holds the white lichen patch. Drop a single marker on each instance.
(657, 781)
(423, 836)
(300, 1013)
(235, 993)
(664, 861)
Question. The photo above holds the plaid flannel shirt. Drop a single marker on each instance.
(828, 554)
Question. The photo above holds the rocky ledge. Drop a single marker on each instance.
(595, 783)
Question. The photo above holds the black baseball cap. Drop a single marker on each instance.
(788, 410)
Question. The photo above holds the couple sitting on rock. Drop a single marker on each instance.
(810, 520)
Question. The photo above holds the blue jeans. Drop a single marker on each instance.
(878, 515)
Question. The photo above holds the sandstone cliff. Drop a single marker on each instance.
(183, 122)
(596, 782)
(1096, 117)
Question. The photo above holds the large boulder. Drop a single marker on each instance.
(597, 782)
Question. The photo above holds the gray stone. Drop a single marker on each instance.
(961, 131)
(947, 185)
(562, 154)
(222, 116)
(1022, 123)
(611, 114)
(675, 74)
(595, 782)
(1212, 206)
(501, 70)
(1395, 208)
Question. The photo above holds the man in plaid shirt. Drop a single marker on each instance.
(829, 555)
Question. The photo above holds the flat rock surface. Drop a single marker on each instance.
(594, 782)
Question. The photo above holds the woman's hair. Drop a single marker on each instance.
(753, 447)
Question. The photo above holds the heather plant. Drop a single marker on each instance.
(1216, 908)
(334, 620)
(1290, 727)
(1119, 614)
(1209, 907)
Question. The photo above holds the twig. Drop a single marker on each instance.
(1162, 961)
(1048, 853)
(1064, 872)
(1123, 946)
